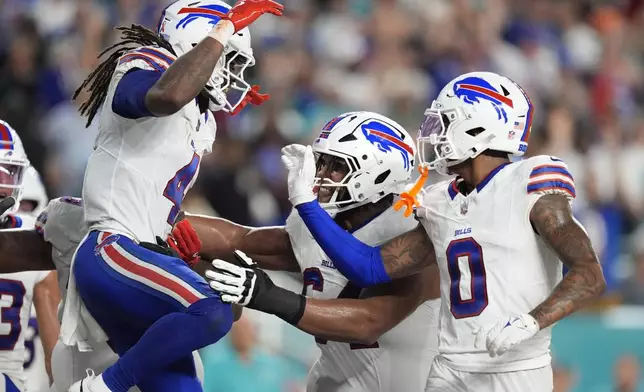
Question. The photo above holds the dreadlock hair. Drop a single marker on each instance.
(98, 81)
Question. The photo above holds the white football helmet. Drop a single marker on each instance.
(34, 196)
(13, 163)
(475, 112)
(377, 153)
(185, 23)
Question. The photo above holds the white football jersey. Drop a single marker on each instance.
(140, 169)
(402, 357)
(62, 225)
(16, 298)
(492, 263)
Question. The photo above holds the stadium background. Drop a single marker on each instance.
(580, 61)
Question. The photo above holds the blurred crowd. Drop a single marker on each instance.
(581, 62)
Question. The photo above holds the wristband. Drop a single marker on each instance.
(223, 30)
(283, 303)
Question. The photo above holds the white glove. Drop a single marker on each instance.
(294, 151)
(301, 173)
(506, 333)
(236, 284)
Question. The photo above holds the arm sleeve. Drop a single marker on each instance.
(129, 97)
(360, 263)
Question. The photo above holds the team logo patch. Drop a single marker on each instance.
(387, 139)
(472, 90)
(108, 241)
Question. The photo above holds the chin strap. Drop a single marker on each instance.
(408, 199)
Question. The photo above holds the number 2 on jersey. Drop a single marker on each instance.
(313, 277)
(12, 293)
(468, 288)
(175, 190)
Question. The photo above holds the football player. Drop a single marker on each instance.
(151, 92)
(499, 233)
(22, 289)
(379, 339)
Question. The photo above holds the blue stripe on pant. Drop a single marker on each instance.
(131, 290)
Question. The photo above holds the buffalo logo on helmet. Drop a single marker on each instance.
(387, 139)
(474, 89)
(214, 12)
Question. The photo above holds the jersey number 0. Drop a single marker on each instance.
(468, 287)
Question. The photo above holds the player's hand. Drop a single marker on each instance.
(238, 284)
(247, 285)
(185, 241)
(301, 173)
(254, 97)
(245, 12)
(506, 333)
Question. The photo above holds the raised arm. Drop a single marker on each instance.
(552, 218)
(24, 250)
(188, 75)
(270, 247)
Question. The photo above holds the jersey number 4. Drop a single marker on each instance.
(468, 287)
(12, 293)
(176, 188)
(314, 278)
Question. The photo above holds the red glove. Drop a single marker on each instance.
(253, 96)
(245, 12)
(185, 241)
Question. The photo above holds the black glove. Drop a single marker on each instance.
(247, 285)
(5, 205)
(161, 247)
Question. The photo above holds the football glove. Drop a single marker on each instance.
(300, 163)
(245, 12)
(499, 338)
(185, 241)
(247, 285)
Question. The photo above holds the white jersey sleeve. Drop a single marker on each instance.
(62, 225)
(546, 175)
(150, 58)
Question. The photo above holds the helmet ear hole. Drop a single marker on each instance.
(347, 138)
(382, 177)
(475, 131)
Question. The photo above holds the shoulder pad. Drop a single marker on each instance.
(151, 58)
(549, 175)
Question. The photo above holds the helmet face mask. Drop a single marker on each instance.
(185, 23)
(227, 78)
(475, 112)
(332, 187)
(362, 157)
(13, 163)
(435, 146)
(11, 178)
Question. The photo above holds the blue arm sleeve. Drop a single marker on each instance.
(358, 262)
(129, 97)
